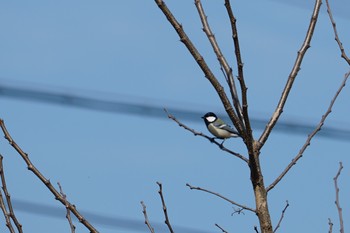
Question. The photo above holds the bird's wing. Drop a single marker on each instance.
(220, 124)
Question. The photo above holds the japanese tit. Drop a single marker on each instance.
(218, 127)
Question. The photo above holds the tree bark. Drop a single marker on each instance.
(260, 193)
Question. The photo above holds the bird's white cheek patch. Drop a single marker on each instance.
(211, 119)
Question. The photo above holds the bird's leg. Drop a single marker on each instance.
(222, 143)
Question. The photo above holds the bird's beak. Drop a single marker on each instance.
(202, 117)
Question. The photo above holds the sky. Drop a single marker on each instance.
(108, 161)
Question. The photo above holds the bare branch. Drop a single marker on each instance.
(237, 211)
(212, 140)
(309, 138)
(151, 229)
(330, 225)
(45, 181)
(282, 216)
(222, 229)
(222, 197)
(334, 25)
(292, 75)
(256, 229)
(221, 58)
(8, 199)
(72, 227)
(202, 64)
(240, 68)
(6, 214)
(337, 203)
(167, 222)
(2, 203)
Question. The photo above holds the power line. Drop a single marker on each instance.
(123, 107)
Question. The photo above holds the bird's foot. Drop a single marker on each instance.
(222, 144)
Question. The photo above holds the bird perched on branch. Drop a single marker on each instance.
(218, 127)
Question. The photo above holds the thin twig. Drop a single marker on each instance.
(334, 25)
(337, 203)
(8, 199)
(237, 211)
(330, 225)
(167, 222)
(72, 227)
(202, 64)
(212, 140)
(45, 181)
(240, 68)
(222, 229)
(222, 197)
(6, 214)
(293, 74)
(282, 216)
(256, 229)
(2, 201)
(309, 138)
(221, 58)
(151, 229)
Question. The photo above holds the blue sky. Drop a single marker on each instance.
(121, 51)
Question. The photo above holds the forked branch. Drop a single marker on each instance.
(293, 74)
(309, 138)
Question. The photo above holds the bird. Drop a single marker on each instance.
(218, 127)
